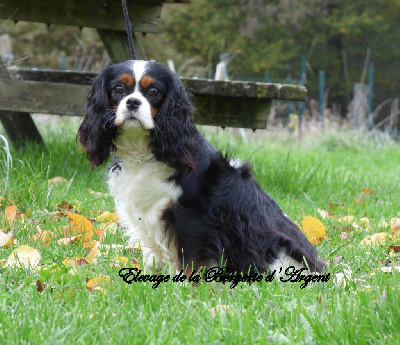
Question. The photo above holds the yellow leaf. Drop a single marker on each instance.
(96, 282)
(68, 262)
(374, 240)
(10, 213)
(79, 224)
(313, 229)
(109, 228)
(122, 259)
(106, 217)
(58, 180)
(24, 256)
(6, 239)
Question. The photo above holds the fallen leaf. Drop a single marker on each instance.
(313, 229)
(6, 239)
(94, 252)
(109, 228)
(24, 256)
(10, 213)
(65, 206)
(99, 233)
(79, 224)
(107, 217)
(97, 283)
(57, 181)
(393, 248)
(40, 286)
(375, 239)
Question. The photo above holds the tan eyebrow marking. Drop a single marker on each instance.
(127, 79)
(146, 81)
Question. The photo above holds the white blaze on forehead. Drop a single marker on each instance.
(139, 69)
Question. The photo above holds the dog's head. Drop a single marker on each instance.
(138, 94)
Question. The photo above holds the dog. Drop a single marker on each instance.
(174, 192)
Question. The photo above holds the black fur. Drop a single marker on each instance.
(222, 215)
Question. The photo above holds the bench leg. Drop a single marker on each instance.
(20, 128)
(117, 46)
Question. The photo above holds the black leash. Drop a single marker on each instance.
(128, 29)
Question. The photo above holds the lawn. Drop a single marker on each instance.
(69, 301)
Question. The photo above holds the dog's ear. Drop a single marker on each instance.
(98, 128)
(173, 137)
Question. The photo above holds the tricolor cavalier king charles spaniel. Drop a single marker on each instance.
(174, 192)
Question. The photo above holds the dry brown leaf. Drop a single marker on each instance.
(57, 181)
(393, 248)
(313, 229)
(10, 213)
(64, 206)
(24, 256)
(40, 286)
(6, 239)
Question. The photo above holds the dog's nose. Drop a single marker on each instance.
(133, 103)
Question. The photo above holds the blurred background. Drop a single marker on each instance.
(352, 47)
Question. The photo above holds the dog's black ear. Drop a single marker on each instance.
(173, 137)
(98, 129)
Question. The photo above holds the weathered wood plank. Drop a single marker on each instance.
(42, 97)
(103, 14)
(197, 86)
(18, 125)
(68, 99)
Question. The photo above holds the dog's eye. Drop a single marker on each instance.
(119, 90)
(153, 92)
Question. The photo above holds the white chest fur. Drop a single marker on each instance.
(141, 192)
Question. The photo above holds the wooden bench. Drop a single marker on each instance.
(24, 91)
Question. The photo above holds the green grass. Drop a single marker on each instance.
(318, 172)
